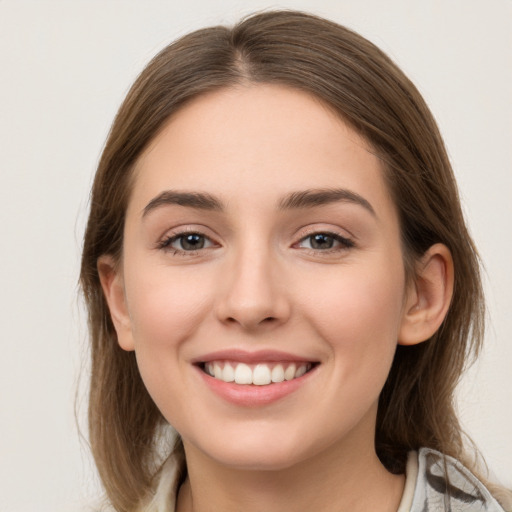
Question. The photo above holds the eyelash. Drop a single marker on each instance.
(166, 243)
(344, 243)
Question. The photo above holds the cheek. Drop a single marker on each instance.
(165, 307)
(359, 314)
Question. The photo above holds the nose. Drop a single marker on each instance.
(254, 294)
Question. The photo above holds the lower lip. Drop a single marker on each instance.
(250, 395)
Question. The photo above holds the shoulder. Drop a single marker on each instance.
(443, 483)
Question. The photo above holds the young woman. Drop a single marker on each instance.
(277, 266)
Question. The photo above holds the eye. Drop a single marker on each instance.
(325, 241)
(186, 242)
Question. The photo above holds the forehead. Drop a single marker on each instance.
(258, 141)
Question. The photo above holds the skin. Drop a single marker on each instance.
(259, 284)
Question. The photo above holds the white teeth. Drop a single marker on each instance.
(301, 370)
(260, 375)
(289, 373)
(228, 374)
(243, 374)
(217, 371)
(278, 373)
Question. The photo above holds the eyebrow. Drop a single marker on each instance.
(296, 200)
(320, 197)
(197, 200)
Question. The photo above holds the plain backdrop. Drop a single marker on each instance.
(66, 66)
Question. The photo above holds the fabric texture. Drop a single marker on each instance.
(444, 484)
(411, 477)
(434, 483)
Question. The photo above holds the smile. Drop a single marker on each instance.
(260, 374)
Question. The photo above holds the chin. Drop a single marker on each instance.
(261, 451)
(258, 460)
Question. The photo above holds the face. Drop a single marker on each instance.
(262, 281)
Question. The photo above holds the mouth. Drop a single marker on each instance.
(257, 374)
(255, 379)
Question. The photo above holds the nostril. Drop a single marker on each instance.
(252, 323)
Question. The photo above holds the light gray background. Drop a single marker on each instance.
(65, 67)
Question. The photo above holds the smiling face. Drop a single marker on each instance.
(262, 282)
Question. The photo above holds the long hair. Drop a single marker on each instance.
(369, 92)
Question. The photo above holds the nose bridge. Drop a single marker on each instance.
(253, 292)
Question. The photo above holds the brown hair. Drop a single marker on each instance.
(367, 89)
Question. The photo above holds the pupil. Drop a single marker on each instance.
(321, 241)
(193, 241)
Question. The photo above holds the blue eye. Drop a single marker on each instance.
(325, 242)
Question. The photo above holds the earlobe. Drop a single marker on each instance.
(113, 288)
(429, 297)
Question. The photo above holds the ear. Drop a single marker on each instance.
(428, 297)
(113, 288)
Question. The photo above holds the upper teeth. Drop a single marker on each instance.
(259, 374)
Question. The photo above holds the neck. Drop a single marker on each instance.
(342, 478)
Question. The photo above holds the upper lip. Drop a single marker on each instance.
(258, 356)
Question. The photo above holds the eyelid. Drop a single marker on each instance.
(327, 229)
(165, 241)
(346, 241)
